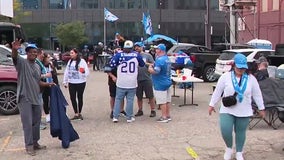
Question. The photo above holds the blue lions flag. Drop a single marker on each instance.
(109, 16)
(147, 23)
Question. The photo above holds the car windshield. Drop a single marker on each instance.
(228, 55)
(5, 61)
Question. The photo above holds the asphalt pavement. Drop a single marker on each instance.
(192, 132)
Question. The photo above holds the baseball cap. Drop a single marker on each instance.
(161, 47)
(261, 59)
(30, 46)
(241, 61)
(139, 44)
(128, 44)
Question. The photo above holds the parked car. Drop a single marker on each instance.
(226, 46)
(278, 58)
(8, 87)
(225, 60)
(186, 46)
(203, 59)
(65, 57)
(5, 52)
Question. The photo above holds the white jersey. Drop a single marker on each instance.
(127, 68)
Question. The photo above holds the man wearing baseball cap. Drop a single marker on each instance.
(127, 63)
(262, 72)
(28, 95)
(144, 81)
(161, 77)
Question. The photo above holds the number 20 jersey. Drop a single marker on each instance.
(127, 68)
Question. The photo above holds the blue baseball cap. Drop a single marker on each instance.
(161, 47)
(241, 61)
(139, 44)
(30, 46)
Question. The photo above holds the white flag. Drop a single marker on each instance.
(109, 16)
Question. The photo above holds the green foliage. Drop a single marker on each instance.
(71, 34)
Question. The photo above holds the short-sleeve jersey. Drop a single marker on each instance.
(162, 80)
(127, 68)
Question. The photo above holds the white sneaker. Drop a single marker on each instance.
(228, 154)
(130, 120)
(239, 156)
(114, 120)
(47, 118)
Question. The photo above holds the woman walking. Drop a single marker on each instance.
(75, 76)
(244, 87)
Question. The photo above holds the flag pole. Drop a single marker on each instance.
(104, 30)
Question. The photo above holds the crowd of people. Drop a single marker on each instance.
(133, 72)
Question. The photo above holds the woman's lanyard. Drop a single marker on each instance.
(240, 88)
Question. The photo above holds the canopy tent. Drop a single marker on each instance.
(260, 43)
(159, 37)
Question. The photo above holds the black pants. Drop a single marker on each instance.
(46, 99)
(96, 64)
(77, 90)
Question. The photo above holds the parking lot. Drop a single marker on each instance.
(145, 139)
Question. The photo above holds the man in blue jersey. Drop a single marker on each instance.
(127, 63)
(161, 77)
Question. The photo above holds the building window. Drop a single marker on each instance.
(149, 4)
(31, 4)
(162, 4)
(275, 5)
(88, 4)
(190, 4)
(59, 4)
(214, 4)
(264, 5)
(135, 4)
(119, 4)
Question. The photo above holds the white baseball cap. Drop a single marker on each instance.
(128, 44)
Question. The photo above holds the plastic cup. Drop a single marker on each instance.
(82, 70)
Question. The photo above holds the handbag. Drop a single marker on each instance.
(231, 100)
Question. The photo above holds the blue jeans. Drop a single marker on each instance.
(120, 94)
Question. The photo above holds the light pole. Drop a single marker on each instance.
(160, 18)
(208, 25)
(232, 22)
(279, 21)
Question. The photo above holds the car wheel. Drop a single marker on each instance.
(8, 100)
(208, 74)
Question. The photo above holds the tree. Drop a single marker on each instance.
(18, 13)
(71, 34)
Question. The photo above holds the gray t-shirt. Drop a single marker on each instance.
(28, 80)
(143, 73)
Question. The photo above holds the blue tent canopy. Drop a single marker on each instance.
(157, 37)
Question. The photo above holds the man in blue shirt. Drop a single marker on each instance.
(161, 77)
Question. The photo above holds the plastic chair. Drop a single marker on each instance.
(271, 71)
(279, 73)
